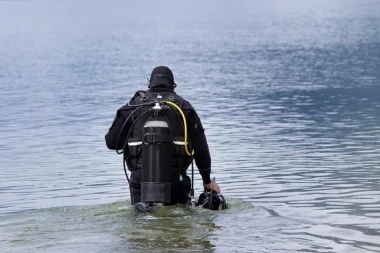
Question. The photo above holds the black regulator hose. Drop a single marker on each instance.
(125, 146)
(126, 140)
(122, 127)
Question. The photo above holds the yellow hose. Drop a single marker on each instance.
(185, 126)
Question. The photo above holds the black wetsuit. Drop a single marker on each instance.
(197, 137)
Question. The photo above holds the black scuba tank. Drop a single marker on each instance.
(156, 147)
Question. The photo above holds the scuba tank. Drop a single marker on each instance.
(156, 145)
(156, 173)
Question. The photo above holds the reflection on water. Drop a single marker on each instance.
(288, 94)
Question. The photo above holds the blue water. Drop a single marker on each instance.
(288, 92)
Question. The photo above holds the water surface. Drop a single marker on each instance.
(288, 92)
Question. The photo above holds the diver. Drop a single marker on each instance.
(159, 134)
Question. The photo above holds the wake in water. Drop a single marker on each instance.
(117, 226)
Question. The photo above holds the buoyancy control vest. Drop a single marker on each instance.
(155, 144)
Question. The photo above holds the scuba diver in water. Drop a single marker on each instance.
(159, 134)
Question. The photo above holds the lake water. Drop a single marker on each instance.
(288, 92)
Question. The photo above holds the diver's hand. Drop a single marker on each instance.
(212, 186)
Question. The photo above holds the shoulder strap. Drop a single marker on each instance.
(161, 97)
(140, 97)
(173, 97)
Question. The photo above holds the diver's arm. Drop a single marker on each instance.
(199, 144)
(114, 131)
(201, 154)
(201, 151)
(203, 160)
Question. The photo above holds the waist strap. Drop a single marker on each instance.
(156, 138)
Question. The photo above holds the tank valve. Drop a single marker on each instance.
(157, 106)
